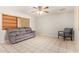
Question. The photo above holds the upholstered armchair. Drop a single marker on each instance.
(67, 33)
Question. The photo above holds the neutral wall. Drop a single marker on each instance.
(51, 24)
(76, 26)
(76, 20)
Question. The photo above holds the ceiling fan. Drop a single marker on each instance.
(41, 9)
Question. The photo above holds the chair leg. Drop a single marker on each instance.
(71, 38)
(58, 36)
(64, 38)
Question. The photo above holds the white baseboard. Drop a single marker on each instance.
(41, 34)
(2, 41)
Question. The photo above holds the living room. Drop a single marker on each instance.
(46, 26)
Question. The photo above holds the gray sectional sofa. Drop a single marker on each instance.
(20, 34)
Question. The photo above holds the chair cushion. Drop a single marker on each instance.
(61, 34)
(68, 30)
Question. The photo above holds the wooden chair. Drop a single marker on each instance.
(67, 33)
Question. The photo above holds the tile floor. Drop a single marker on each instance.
(40, 44)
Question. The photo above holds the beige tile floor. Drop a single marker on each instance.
(40, 44)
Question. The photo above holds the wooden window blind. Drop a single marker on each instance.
(9, 22)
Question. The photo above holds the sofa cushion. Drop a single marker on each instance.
(22, 36)
(12, 34)
(12, 30)
(28, 31)
(17, 33)
(21, 29)
(28, 28)
(22, 32)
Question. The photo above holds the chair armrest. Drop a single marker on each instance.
(60, 31)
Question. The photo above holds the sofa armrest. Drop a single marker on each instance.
(33, 31)
(12, 38)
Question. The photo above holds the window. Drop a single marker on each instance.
(24, 22)
(9, 22)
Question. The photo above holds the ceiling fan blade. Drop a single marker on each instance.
(62, 9)
(45, 7)
(35, 7)
(33, 11)
(41, 8)
(46, 11)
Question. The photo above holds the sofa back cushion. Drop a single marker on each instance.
(21, 29)
(12, 30)
(12, 34)
(28, 30)
(17, 31)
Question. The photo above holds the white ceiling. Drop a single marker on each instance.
(29, 9)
